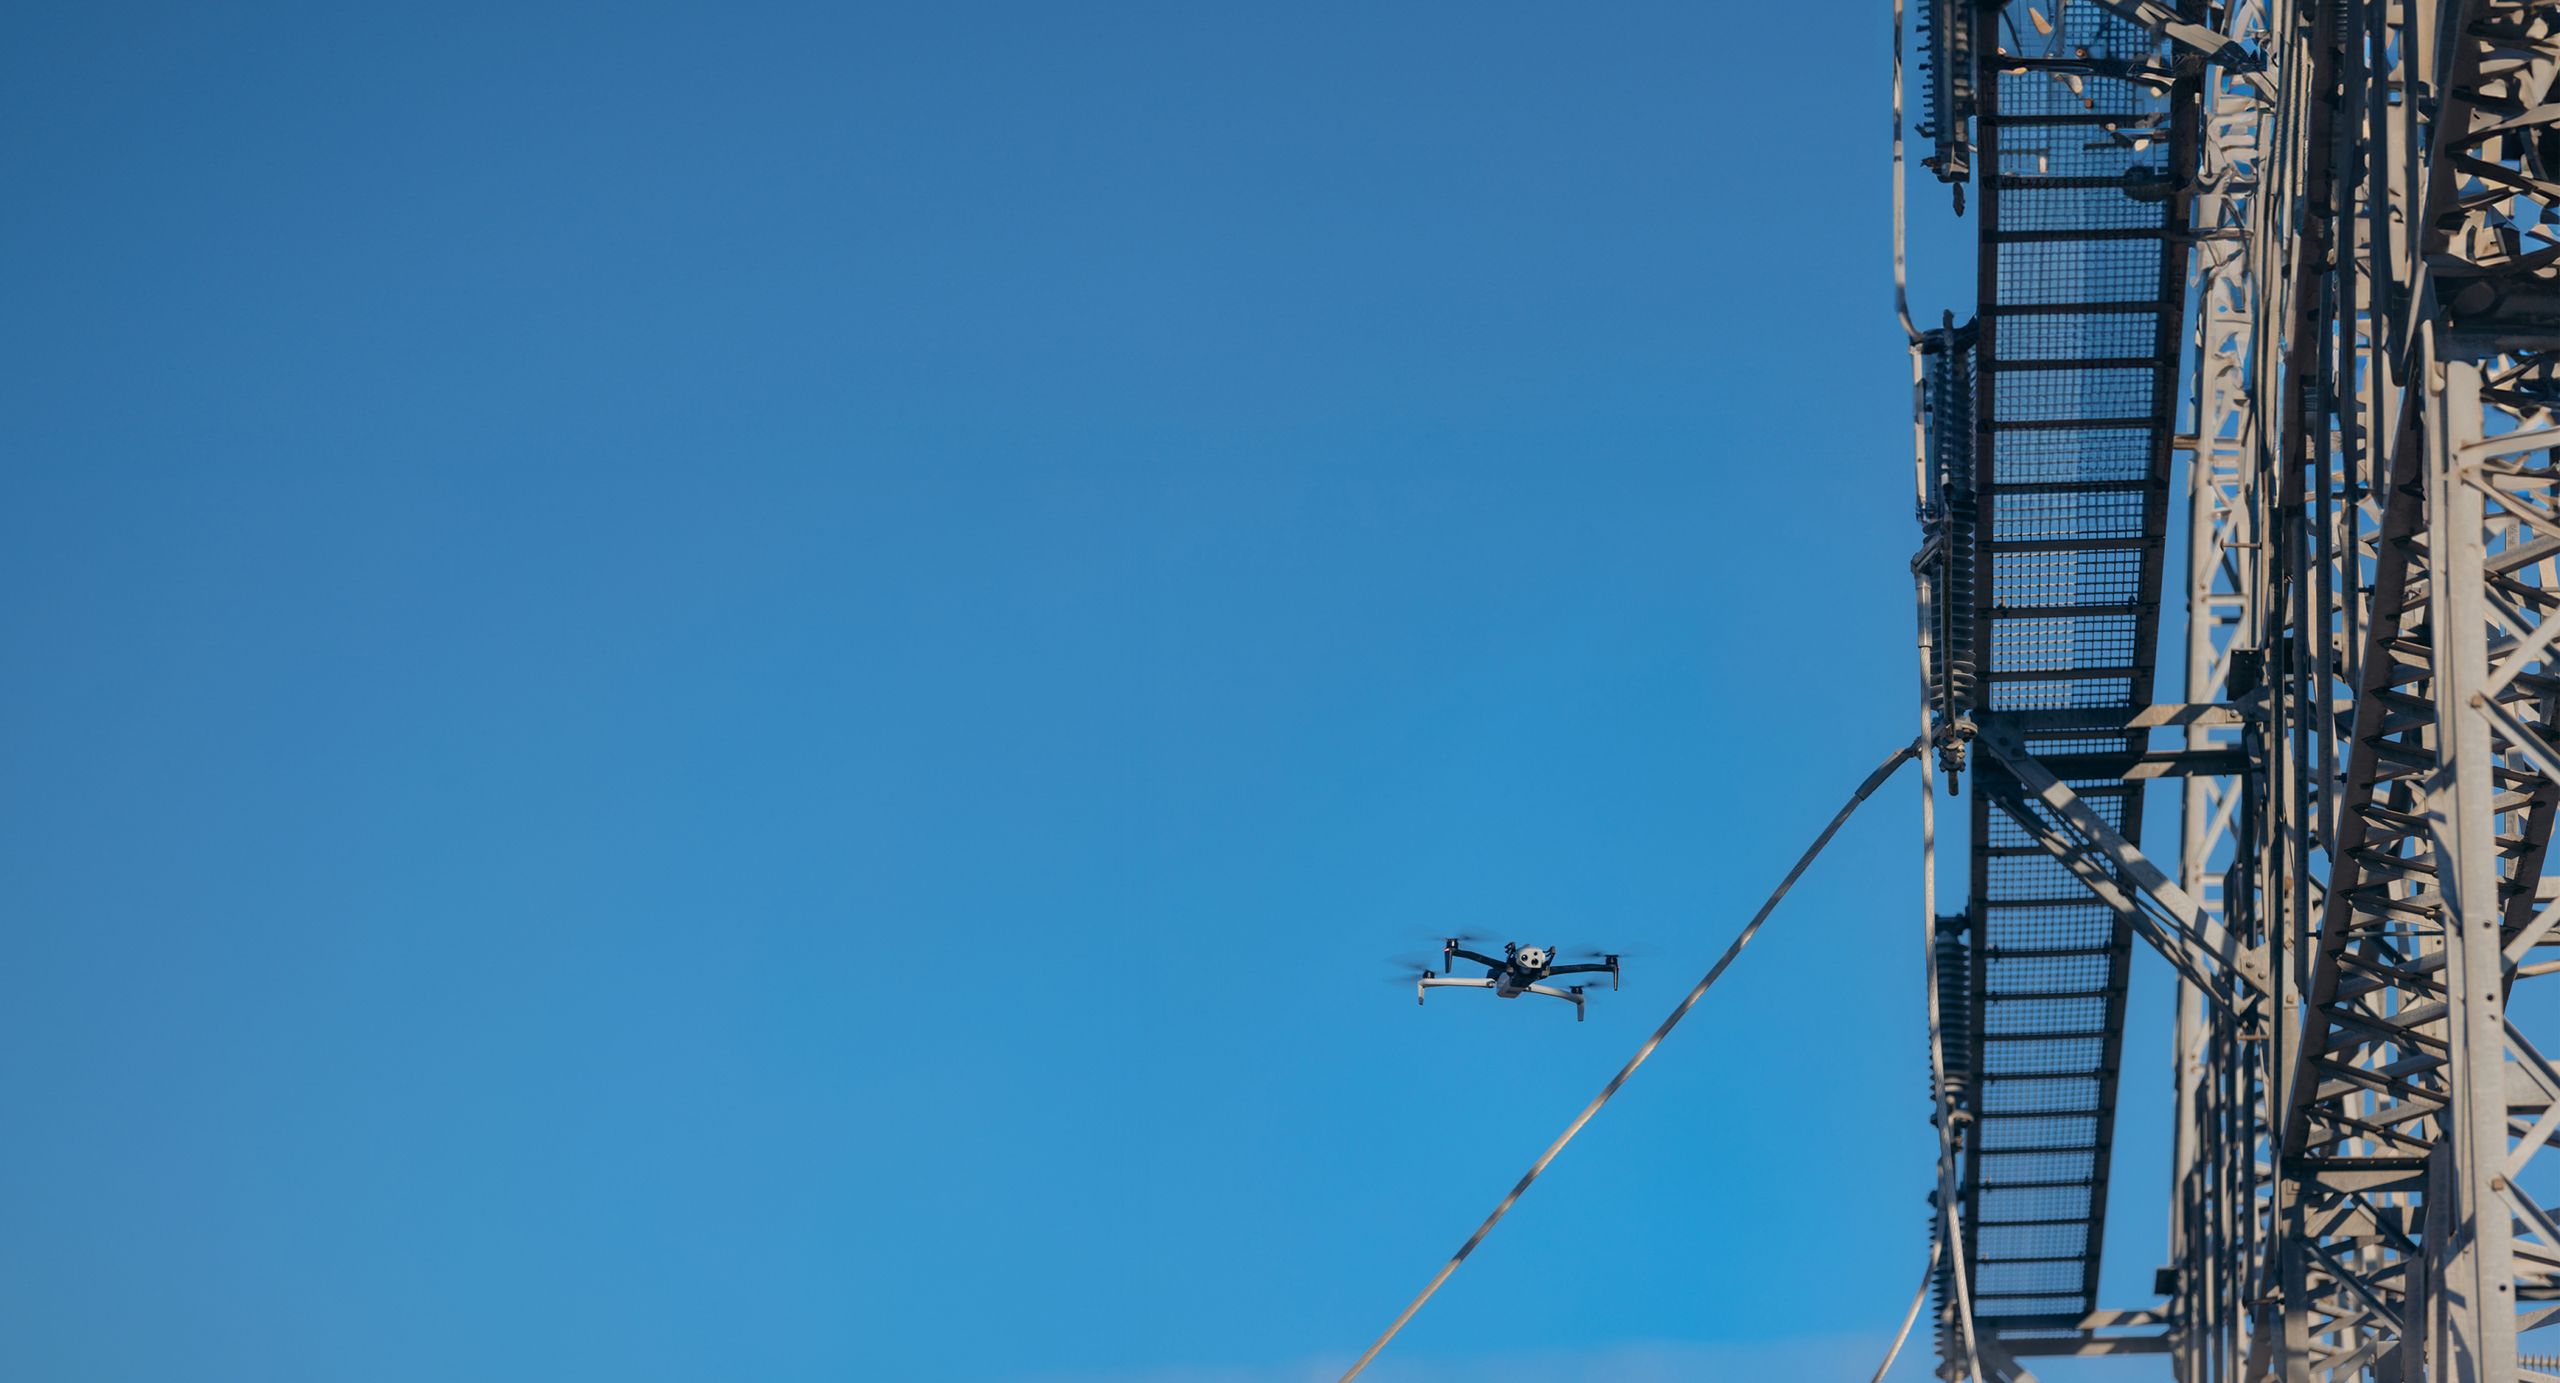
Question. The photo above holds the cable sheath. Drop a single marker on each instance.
(1910, 1316)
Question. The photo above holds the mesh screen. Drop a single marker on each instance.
(2111, 392)
(2071, 454)
(2077, 204)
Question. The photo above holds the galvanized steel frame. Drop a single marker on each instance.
(2371, 763)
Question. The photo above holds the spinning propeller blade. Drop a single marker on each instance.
(1409, 968)
(1585, 953)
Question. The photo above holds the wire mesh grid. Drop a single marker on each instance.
(2043, 1131)
(2030, 877)
(2002, 1016)
(2066, 576)
(2039, 929)
(2096, 32)
(2066, 694)
(2008, 832)
(2039, 1166)
(2078, 271)
(2085, 153)
(2031, 1241)
(2032, 1203)
(2078, 453)
(2033, 90)
(2052, 1056)
(2046, 974)
(2030, 202)
(2088, 742)
(2041, 645)
(2079, 201)
(2077, 336)
(2081, 392)
(2010, 1277)
(2041, 1095)
(1998, 1304)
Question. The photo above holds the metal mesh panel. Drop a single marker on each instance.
(2001, 1277)
(2071, 454)
(2077, 336)
(2038, 644)
(2060, 1056)
(2105, 513)
(2075, 409)
(2029, 1203)
(2054, 204)
(2066, 576)
(2038, 1166)
(2074, 393)
(2047, 974)
(2026, 1241)
(2015, 1015)
(2077, 694)
(2038, 1132)
(2041, 1095)
(2078, 271)
(1990, 1304)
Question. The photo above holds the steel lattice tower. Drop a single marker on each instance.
(2288, 272)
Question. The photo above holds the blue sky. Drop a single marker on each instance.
(708, 692)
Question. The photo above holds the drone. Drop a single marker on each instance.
(1522, 970)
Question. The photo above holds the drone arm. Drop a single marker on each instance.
(1611, 968)
(1444, 982)
(1565, 994)
(1465, 954)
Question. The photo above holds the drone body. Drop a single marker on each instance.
(1521, 970)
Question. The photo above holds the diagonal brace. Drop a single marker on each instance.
(2164, 22)
(2198, 926)
(2183, 955)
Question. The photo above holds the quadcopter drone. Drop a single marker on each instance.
(1522, 970)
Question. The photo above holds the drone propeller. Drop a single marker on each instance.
(1580, 953)
(1409, 968)
(1455, 938)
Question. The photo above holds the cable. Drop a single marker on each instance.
(1874, 780)
(1951, 1222)
(1909, 1316)
(1951, 1218)
(1901, 286)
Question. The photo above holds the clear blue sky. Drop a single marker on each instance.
(750, 691)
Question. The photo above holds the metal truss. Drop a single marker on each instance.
(2215, 1247)
(2367, 202)
(2074, 127)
